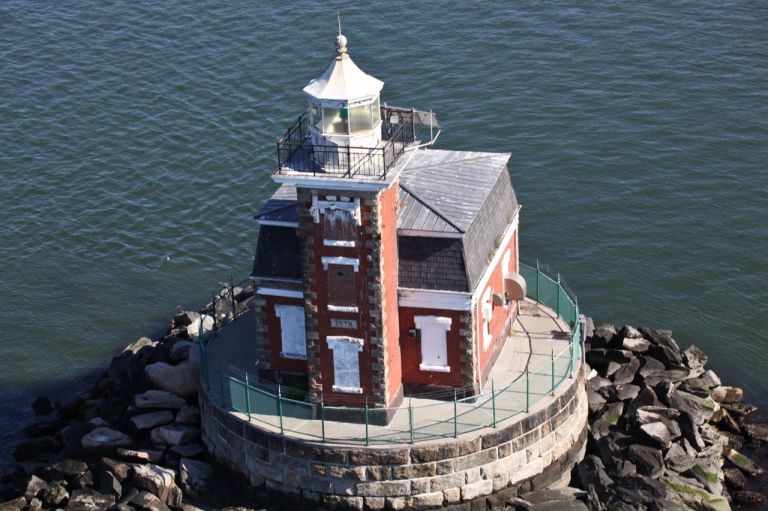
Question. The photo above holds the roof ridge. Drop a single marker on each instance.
(431, 208)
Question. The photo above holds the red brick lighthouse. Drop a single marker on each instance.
(381, 265)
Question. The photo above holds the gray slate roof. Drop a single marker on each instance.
(465, 193)
(278, 253)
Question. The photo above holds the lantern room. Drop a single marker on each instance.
(344, 104)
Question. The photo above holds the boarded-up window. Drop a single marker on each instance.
(346, 363)
(292, 331)
(341, 285)
(339, 225)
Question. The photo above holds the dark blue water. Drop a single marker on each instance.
(137, 140)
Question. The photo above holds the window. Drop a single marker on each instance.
(341, 286)
(361, 118)
(340, 227)
(292, 330)
(317, 116)
(335, 121)
(346, 363)
(434, 349)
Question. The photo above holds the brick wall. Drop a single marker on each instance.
(274, 341)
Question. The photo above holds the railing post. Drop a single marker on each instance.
(558, 294)
(553, 371)
(410, 420)
(232, 294)
(537, 281)
(247, 396)
(455, 416)
(322, 417)
(527, 390)
(493, 402)
(366, 421)
(349, 163)
(280, 406)
(570, 359)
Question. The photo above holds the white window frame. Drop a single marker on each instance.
(335, 342)
(285, 312)
(486, 310)
(319, 207)
(443, 323)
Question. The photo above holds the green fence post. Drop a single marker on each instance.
(410, 419)
(570, 358)
(527, 390)
(553, 371)
(280, 406)
(366, 420)
(493, 403)
(537, 280)
(247, 396)
(455, 415)
(559, 289)
(322, 417)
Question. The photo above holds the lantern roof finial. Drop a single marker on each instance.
(341, 40)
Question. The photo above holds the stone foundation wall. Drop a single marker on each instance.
(488, 465)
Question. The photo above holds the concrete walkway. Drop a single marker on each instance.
(522, 377)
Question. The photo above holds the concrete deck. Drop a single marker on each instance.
(522, 378)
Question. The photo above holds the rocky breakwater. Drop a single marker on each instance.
(131, 442)
(665, 433)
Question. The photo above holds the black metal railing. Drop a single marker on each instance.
(399, 128)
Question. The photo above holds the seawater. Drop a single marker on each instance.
(137, 141)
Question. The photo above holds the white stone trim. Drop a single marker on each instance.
(334, 183)
(293, 356)
(320, 205)
(435, 320)
(432, 299)
(434, 369)
(278, 223)
(342, 308)
(285, 293)
(333, 340)
(338, 243)
(348, 390)
(348, 261)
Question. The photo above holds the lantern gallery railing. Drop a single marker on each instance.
(439, 414)
(399, 128)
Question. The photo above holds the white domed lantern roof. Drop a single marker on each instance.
(344, 103)
(343, 81)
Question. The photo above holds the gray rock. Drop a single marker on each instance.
(710, 379)
(690, 493)
(626, 373)
(660, 338)
(65, 470)
(42, 406)
(35, 485)
(145, 501)
(120, 469)
(152, 419)
(658, 433)
(690, 431)
(748, 497)
(627, 392)
(595, 400)
(204, 323)
(109, 484)
(185, 318)
(135, 346)
(141, 455)
(174, 434)
(180, 351)
(159, 399)
(728, 395)
(612, 412)
(189, 415)
(195, 477)
(744, 463)
(670, 358)
(666, 376)
(554, 495)
(678, 459)
(734, 478)
(640, 489)
(191, 450)
(651, 366)
(708, 475)
(35, 505)
(591, 472)
(630, 332)
(725, 421)
(694, 357)
(87, 499)
(183, 379)
(159, 481)
(649, 461)
(636, 345)
(700, 409)
(739, 409)
(757, 432)
(105, 438)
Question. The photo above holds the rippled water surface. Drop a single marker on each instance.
(137, 140)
